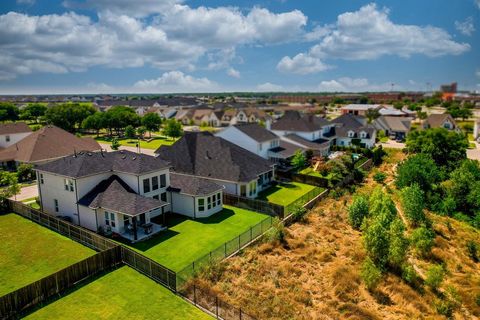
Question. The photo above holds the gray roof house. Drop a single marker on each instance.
(395, 127)
(203, 155)
(351, 130)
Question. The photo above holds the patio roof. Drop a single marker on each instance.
(115, 195)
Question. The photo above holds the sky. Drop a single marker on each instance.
(175, 46)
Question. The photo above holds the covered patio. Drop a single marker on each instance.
(144, 232)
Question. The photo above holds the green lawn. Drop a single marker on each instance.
(285, 193)
(121, 294)
(309, 171)
(154, 144)
(187, 240)
(29, 252)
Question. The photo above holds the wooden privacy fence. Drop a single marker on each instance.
(16, 302)
(69, 230)
(265, 207)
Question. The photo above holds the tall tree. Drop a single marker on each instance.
(152, 122)
(172, 128)
(8, 112)
(69, 116)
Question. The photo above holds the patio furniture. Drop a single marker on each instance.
(148, 228)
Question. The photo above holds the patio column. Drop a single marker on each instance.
(134, 221)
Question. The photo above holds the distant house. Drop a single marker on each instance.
(306, 131)
(359, 109)
(48, 143)
(11, 133)
(198, 117)
(443, 120)
(353, 130)
(232, 116)
(122, 191)
(203, 155)
(395, 127)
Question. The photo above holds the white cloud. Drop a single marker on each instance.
(137, 8)
(301, 64)
(465, 27)
(347, 84)
(369, 33)
(269, 87)
(233, 73)
(174, 82)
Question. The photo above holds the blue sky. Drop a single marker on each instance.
(159, 46)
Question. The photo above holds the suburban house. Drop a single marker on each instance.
(232, 116)
(46, 144)
(11, 133)
(121, 192)
(203, 155)
(359, 109)
(198, 117)
(395, 128)
(308, 132)
(443, 120)
(353, 130)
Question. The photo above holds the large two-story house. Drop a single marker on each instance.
(203, 155)
(306, 131)
(121, 192)
(11, 133)
(352, 130)
(257, 139)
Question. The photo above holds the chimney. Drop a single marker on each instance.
(268, 124)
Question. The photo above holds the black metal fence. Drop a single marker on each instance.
(265, 207)
(29, 296)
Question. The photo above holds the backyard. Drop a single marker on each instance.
(154, 143)
(29, 252)
(121, 294)
(187, 240)
(285, 193)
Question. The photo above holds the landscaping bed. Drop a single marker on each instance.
(121, 294)
(29, 252)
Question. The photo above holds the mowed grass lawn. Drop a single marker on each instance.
(285, 193)
(154, 144)
(29, 252)
(120, 294)
(187, 240)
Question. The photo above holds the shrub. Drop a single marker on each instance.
(413, 204)
(370, 274)
(376, 241)
(379, 177)
(398, 244)
(472, 249)
(115, 144)
(277, 232)
(410, 275)
(299, 214)
(435, 275)
(130, 131)
(357, 211)
(422, 239)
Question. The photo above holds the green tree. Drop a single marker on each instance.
(152, 122)
(115, 144)
(372, 114)
(141, 131)
(33, 111)
(413, 204)
(398, 244)
(422, 239)
(172, 129)
(25, 172)
(445, 147)
(463, 187)
(8, 112)
(379, 177)
(357, 211)
(382, 207)
(9, 187)
(370, 274)
(376, 241)
(418, 169)
(130, 132)
(94, 122)
(435, 275)
(119, 117)
(298, 161)
(69, 116)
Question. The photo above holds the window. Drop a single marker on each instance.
(219, 199)
(351, 134)
(253, 188)
(110, 219)
(7, 138)
(163, 181)
(146, 185)
(154, 183)
(243, 190)
(201, 204)
(41, 178)
(260, 146)
(209, 203)
(214, 201)
(163, 196)
(55, 202)
(68, 184)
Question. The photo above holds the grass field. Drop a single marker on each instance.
(121, 294)
(154, 144)
(187, 240)
(285, 193)
(29, 252)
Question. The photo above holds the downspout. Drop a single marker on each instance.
(96, 218)
(194, 208)
(40, 190)
(76, 198)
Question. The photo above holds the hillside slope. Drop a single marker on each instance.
(316, 273)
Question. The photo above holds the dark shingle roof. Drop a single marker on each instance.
(256, 132)
(437, 120)
(202, 154)
(114, 194)
(318, 144)
(15, 127)
(85, 164)
(49, 142)
(349, 122)
(295, 121)
(191, 185)
(286, 149)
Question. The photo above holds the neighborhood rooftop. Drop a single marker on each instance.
(204, 155)
(295, 121)
(256, 132)
(14, 127)
(115, 195)
(193, 186)
(349, 122)
(89, 163)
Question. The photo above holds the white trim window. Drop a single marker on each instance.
(219, 199)
(146, 185)
(68, 184)
(41, 178)
(163, 181)
(110, 219)
(201, 204)
(209, 203)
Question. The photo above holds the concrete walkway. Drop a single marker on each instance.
(150, 152)
(26, 193)
(474, 153)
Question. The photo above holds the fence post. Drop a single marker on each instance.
(251, 234)
(194, 294)
(239, 243)
(225, 251)
(150, 265)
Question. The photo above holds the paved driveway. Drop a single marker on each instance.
(474, 153)
(392, 144)
(26, 193)
(150, 152)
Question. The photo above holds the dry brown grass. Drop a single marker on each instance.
(316, 274)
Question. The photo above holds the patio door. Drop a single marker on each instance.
(142, 219)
